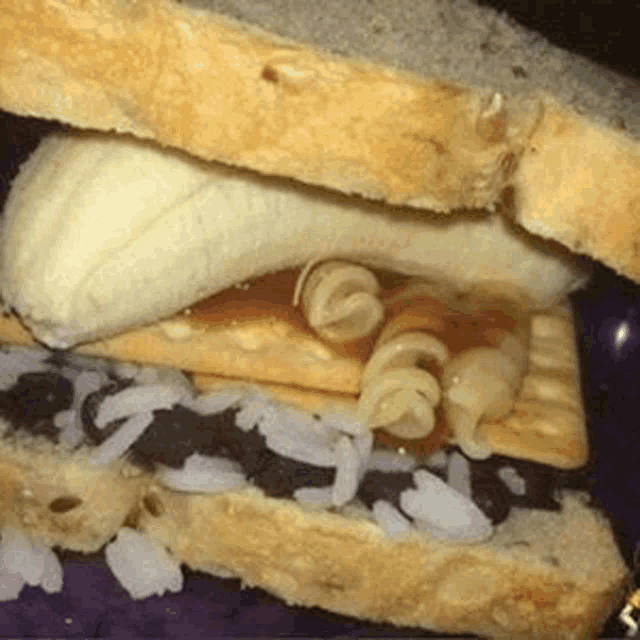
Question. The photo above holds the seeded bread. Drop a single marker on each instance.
(329, 98)
(467, 105)
(542, 576)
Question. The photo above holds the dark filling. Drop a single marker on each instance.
(176, 434)
(33, 402)
(91, 406)
(384, 485)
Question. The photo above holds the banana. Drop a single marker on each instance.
(103, 233)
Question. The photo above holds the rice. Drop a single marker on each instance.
(86, 383)
(136, 400)
(297, 435)
(67, 423)
(514, 481)
(344, 422)
(392, 522)
(438, 459)
(298, 448)
(118, 444)
(15, 361)
(142, 567)
(204, 474)
(166, 376)
(347, 479)
(10, 585)
(459, 474)
(439, 510)
(51, 580)
(213, 403)
(317, 496)
(256, 410)
(33, 564)
(391, 461)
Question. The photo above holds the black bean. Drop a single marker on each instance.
(490, 494)
(33, 402)
(176, 434)
(91, 407)
(384, 485)
(279, 477)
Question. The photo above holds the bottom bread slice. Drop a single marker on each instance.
(542, 575)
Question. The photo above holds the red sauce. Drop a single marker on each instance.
(461, 323)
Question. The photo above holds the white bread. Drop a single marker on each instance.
(474, 131)
(542, 575)
(476, 103)
(539, 576)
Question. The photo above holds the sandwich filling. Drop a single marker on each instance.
(217, 442)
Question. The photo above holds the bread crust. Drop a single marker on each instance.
(542, 575)
(531, 580)
(384, 134)
(361, 123)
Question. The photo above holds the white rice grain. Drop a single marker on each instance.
(459, 474)
(257, 410)
(127, 370)
(297, 435)
(364, 446)
(18, 555)
(438, 459)
(118, 444)
(348, 469)
(35, 564)
(212, 403)
(85, 383)
(514, 481)
(67, 423)
(165, 376)
(51, 580)
(391, 461)
(392, 522)
(142, 567)
(344, 422)
(204, 474)
(443, 512)
(11, 585)
(137, 400)
(303, 450)
(17, 361)
(317, 496)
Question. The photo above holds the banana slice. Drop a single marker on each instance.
(102, 233)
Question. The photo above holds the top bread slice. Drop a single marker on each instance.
(438, 105)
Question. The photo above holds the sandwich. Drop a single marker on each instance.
(361, 392)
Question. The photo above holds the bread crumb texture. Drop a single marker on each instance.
(59, 499)
(203, 83)
(232, 92)
(542, 574)
(533, 580)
